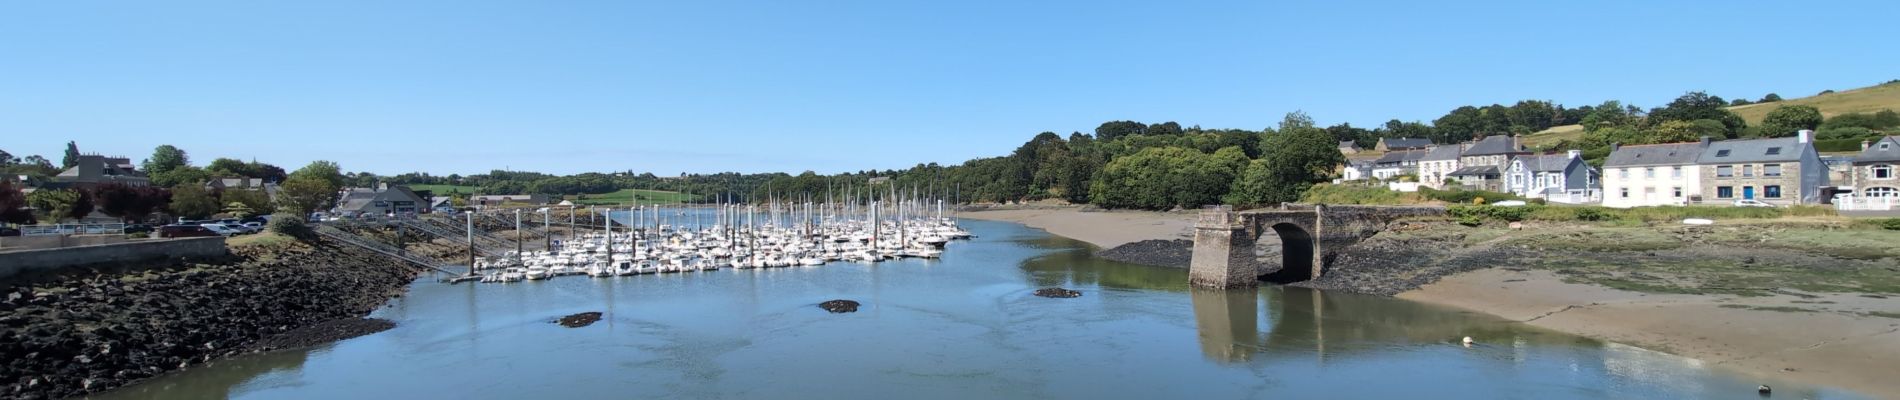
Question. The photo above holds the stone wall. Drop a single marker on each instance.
(16, 262)
(1224, 240)
(56, 241)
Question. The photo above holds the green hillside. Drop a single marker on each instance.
(626, 197)
(1867, 99)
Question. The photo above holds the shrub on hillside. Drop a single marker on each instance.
(1462, 196)
(290, 224)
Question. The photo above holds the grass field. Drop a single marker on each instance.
(626, 196)
(1553, 135)
(1867, 99)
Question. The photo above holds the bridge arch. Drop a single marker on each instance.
(1311, 236)
(1298, 260)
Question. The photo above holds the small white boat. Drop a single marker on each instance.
(1698, 221)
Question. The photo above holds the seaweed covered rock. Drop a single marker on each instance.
(579, 320)
(1058, 293)
(839, 306)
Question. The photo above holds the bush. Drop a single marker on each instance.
(1462, 196)
(1355, 194)
(1507, 214)
(290, 224)
(1892, 224)
(1593, 214)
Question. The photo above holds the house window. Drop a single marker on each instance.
(1675, 172)
(1771, 170)
(1678, 192)
(1725, 171)
(1880, 192)
(1725, 192)
(1626, 193)
(1883, 171)
(1883, 146)
(1748, 170)
(1721, 153)
(1623, 173)
(1774, 151)
(1649, 192)
(1771, 191)
(1649, 172)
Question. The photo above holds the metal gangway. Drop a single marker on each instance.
(380, 247)
(487, 245)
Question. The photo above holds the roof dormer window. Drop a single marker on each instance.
(1774, 150)
(1721, 153)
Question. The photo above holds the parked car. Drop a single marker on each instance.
(242, 230)
(177, 231)
(9, 232)
(137, 228)
(222, 230)
(1752, 203)
(260, 219)
(255, 226)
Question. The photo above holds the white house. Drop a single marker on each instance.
(1397, 163)
(1653, 175)
(1437, 164)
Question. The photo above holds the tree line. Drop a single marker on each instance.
(177, 188)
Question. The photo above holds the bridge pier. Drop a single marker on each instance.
(1223, 251)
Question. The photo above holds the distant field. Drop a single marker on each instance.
(1553, 135)
(1867, 99)
(626, 196)
(443, 190)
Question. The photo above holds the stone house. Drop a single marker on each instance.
(1775, 171)
(1393, 164)
(1876, 171)
(1396, 144)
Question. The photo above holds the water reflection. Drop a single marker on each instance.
(1228, 322)
(224, 379)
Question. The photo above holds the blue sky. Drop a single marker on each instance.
(705, 86)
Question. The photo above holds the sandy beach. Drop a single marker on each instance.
(1831, 341)
(1104, 229)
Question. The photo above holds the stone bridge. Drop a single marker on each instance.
(1312, 235)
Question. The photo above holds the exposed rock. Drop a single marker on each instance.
(322, 333)
(1155, 252)
(579, 320)
(1058, 293)
(839, 306)
(88, 332)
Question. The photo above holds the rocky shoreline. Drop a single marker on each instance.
(88, 333)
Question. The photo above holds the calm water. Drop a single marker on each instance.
(962, 327)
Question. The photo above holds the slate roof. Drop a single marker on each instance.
(1400, 157)
(1491, 145)
(1481, 170)
(1753, 150)
(1546, 162)
(1442, 153)
(1873, 153)
(1405, 143)
(1654, 154)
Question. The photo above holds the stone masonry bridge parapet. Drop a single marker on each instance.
(1312, 235)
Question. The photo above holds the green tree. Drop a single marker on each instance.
(326, 171)
(1164, 177)
(185, 175)
(192, 202)
(255, 200)
(1116, 129)
(1770, 98)
(1683, 131)
(1786, 119)
(228, 167)
(165, 158)
(1295, 160)
(1699, 105)
(306, 194)
(72, 155)
(61, 204)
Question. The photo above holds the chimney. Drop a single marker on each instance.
(1573, 154)
(381, 186)
(1705, 141)
(1803, 135)
(1864, 144)
(1614, 146)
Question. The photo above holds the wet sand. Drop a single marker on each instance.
(1104, 229)
(1832, 344)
